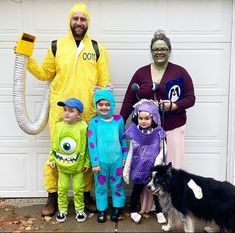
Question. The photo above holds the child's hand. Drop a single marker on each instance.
(123, 162)
(96, 169)
(52, 165)
(85, 169)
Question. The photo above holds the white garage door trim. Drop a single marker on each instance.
(231, 122)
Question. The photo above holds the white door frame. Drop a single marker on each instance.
(231, 110)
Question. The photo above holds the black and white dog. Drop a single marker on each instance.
(207, 199)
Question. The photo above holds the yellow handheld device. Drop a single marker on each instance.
(26, 44)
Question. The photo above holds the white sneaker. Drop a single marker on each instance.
(61, 217)
(161, 218)
(81, 216)
(136, 217)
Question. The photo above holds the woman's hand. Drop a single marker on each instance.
(167, 105)
(96, 169)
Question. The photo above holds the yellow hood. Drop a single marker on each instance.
(81, 8)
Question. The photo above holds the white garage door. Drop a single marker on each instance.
(200, 33)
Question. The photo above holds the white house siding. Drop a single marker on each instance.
(201, 33)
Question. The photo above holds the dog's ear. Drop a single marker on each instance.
(169, 167)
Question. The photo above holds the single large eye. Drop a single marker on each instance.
(68, 145)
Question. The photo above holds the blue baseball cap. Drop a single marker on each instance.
(73, 103)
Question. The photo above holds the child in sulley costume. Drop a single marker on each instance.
(69, 153)
(108, 150)
(146, 150)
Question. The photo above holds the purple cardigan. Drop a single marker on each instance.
(176, 85)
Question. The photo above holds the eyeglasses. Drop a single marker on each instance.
(162, 50)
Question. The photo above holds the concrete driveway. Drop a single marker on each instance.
(23, 215)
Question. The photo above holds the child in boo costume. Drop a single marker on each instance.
(146, 150)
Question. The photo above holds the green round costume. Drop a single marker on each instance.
(69, 152)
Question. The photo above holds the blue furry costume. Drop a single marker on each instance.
(107, 148)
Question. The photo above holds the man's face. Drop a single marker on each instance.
(79, 25)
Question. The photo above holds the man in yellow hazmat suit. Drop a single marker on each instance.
(74, 69)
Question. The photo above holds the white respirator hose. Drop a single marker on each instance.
(21, 114)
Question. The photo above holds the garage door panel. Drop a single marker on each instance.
(206, 21)
(10, 132)
(7, 61)
(18, 163)
(115, 24)
(41, 159)
(120, 69)
(209, 160)
(207, 122)
(11, 135)
(27, 178)
(11, 12)
(43, 139)
(57, 24)
(208, 65)
(34, 106)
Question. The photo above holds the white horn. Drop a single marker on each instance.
(22, 118)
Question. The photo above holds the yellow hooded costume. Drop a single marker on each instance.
(74, 73)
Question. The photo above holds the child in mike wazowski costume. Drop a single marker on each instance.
(69, 154)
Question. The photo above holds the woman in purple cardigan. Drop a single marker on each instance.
(169, 84)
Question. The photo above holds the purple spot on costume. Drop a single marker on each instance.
(124, 150)
(117, 117)
(113, 178)
(101, 179)
(119, 171)
(92, 145)
(118, 194)
(124, 136)
(89, 133)
(118, 185)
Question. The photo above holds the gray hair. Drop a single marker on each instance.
(160, 35)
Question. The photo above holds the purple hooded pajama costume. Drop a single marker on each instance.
(146, 147)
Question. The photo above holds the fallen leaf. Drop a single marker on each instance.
(91, 215)
(30, 222)
(28, 228)
(146, 215)
(47, 218)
